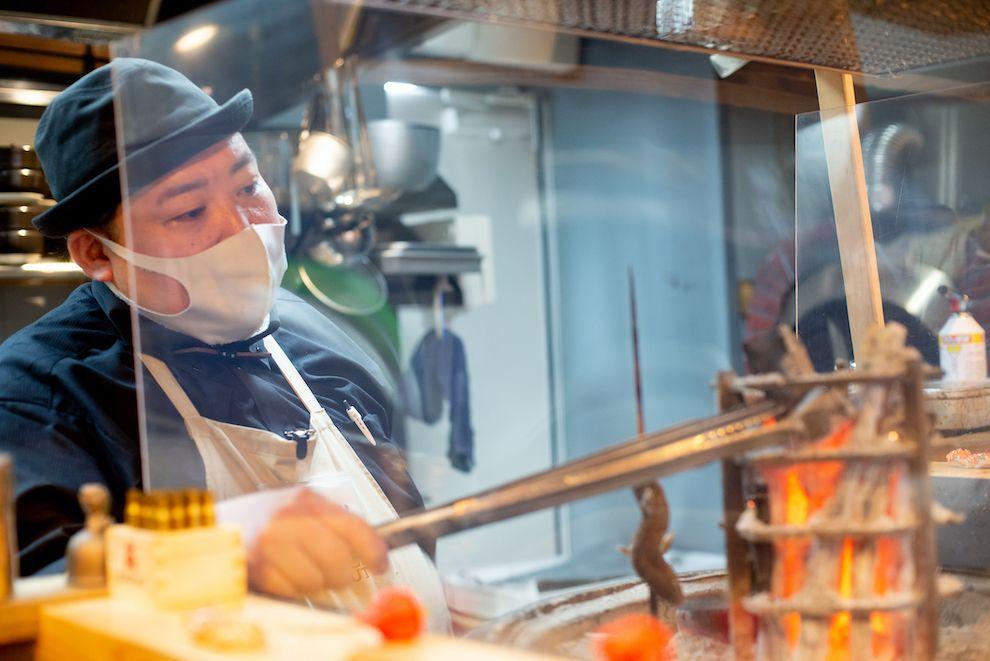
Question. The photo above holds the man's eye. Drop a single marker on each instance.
(251, 188)
(189, 215)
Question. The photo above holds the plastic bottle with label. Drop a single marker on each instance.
(962, 345)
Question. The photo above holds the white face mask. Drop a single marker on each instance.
(231, 286)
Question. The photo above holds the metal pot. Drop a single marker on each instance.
(406, 154)
(19, 217)
(24, 179)
(21, 243)
(15, 157)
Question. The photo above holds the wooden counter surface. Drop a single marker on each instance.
(945, 469)
(19, 616)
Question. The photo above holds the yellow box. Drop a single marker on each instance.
(177, 569)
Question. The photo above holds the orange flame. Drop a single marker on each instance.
(795, 494)
(791, 551)
(887, 628)
(841, 626)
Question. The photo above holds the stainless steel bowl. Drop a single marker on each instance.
(406, 154)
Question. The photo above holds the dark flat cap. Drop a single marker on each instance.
(165, 120)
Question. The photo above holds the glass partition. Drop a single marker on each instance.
(409, 259)
(920, 155)
(927, 206)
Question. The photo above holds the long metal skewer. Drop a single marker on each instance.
(634, 462)
(637, 373)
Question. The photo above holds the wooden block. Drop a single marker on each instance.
(19, 615)
(178, 569)
(110, 628)
(126, 630)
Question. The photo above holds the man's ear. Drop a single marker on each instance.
(87, 251)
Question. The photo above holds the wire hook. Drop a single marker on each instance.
(439, 318)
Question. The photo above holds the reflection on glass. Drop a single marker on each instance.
(927, 214)
(462, 204)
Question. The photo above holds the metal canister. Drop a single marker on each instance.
(8, 528)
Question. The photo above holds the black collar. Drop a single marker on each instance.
(162, 342)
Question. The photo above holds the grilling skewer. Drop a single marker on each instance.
(652, 538)
(637, 375)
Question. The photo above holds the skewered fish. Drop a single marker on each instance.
(652, 540)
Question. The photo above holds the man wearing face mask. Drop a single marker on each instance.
(245, 386)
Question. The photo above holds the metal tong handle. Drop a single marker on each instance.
(633, 462)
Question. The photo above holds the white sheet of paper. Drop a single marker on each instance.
(253, 511)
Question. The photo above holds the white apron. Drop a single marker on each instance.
(241, 460)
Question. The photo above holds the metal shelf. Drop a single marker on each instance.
(413, 258)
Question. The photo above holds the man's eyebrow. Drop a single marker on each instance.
(180, 189)
(243, 161)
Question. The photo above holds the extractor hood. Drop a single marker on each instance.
(865, 36)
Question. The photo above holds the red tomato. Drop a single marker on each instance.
(397, 613)
(636, 637)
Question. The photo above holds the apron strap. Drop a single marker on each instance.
(166, 380)
(322, 422)
(293, 376)
(317, 415)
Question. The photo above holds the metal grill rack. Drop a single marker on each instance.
(798, 587)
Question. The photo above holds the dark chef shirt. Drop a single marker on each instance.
(69, 412)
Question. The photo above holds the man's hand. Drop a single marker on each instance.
(312, 545)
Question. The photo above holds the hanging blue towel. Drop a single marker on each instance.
(439, 369)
